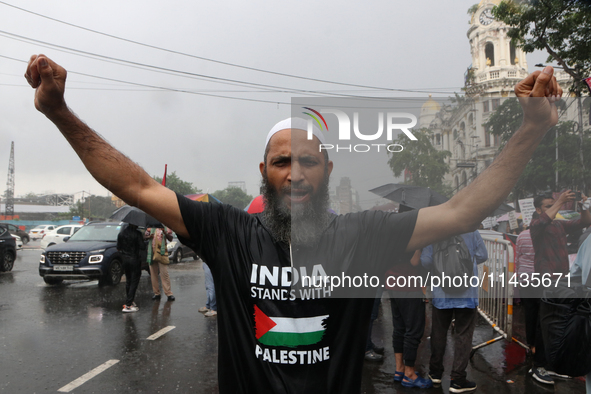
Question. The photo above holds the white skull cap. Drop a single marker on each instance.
(294, 123)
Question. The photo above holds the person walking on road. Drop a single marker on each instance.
(551, 257)
(130, 243)
(210, 309)
(408, 318)
(462, 308)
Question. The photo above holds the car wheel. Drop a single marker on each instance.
(114, 274)
(25, 240)
(178, 256)
(53, 281)
(7, 261)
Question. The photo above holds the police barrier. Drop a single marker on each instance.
(495, 295)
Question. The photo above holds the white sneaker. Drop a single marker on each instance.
(128, 309)
(541, 375)
(211, 313)
(557, 375)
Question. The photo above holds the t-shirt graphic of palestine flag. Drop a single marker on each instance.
(288, 331)
(274, 336)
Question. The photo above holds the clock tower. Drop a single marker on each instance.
(497, 64)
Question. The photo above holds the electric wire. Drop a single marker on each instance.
(208, 59)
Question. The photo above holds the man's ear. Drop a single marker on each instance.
(262, 167)
(330, 165)
(539, 211)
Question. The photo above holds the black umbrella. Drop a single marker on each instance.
(502, 209)
(420, 197)
(133, 215)
(412, 196)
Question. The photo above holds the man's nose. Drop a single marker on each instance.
(296, 174)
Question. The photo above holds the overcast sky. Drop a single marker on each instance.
(209, 141)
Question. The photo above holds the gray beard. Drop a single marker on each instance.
(304, 223)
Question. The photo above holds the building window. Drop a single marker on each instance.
(438, 139)
(496, 103)
(489, 53)
(455, 134)
(485, 106)
(512, 53)
(486, 138)
(497, 140)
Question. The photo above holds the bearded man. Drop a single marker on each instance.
(273, 336)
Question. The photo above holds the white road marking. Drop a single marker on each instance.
(87, 376)
(158, 334)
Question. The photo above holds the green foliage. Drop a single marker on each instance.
(425, 163)
(540, 173)
(562, 28)
(96, 207)
(176, 184)
(473, 9)
(233, 196)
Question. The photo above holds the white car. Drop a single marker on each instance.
(57, 235)
(39, 231)
(19, 242)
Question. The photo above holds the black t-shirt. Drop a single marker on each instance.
(130, 242)
(273, 338)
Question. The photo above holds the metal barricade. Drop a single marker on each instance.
(495, 295)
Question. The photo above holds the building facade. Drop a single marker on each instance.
(497, 66)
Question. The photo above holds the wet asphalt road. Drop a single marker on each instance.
(50, 336)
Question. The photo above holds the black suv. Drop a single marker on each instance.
(91, 253)
(7, 249)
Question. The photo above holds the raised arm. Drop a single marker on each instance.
(464, 212)
(108, 166)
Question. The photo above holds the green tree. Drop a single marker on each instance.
(540, 173)
(425, 163)
(233, 196)
(96, 207)
(176, 184)
(562, 28)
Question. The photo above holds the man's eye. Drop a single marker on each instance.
(308, 162)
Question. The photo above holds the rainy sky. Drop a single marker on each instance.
(197, 85)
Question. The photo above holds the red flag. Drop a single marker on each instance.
(164, 177)
(588, 81)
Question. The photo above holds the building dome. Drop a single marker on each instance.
(428, 111)
(430, 106)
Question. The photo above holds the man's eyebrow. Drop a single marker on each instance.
(281, 158)
(308, 157)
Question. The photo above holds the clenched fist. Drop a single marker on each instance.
(49, 80)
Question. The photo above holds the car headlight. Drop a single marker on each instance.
(97, 258)
(42, 261)
(171, 245)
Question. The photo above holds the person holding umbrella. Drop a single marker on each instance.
(129, 245)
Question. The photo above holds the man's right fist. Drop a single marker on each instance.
(49, 80)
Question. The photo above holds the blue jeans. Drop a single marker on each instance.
(369, 345)
(210, 288)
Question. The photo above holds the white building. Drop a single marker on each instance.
(497, 65)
